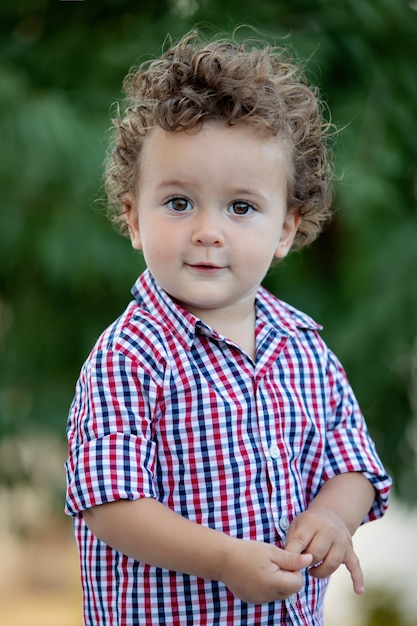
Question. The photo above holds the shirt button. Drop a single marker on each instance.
(292, 599)
(284, 523)
(274, 451)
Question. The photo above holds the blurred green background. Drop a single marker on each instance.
(65, 274)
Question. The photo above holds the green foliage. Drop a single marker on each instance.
(64, 273)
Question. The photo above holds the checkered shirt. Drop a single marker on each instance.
(167, 408)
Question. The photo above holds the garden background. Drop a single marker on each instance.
(65, 274)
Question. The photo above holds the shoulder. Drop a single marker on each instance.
(135, 336)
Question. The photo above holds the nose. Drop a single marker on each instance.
(207, 229)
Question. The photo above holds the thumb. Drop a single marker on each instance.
(292, 562)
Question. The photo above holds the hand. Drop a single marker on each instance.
(258, 572)
(322, 533)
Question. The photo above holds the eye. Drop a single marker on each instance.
(240, 208)
(178, 204)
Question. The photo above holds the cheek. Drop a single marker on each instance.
(261, 247)
(255, 258)
(159, 247)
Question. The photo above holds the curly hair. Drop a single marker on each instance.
(196, 81)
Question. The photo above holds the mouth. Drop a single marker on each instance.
(205, 267)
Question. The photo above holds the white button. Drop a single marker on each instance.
(274, 451)
(284, 523)
(292, 599)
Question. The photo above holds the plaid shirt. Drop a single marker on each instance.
(167, 408)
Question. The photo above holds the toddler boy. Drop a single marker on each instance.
(218, 462)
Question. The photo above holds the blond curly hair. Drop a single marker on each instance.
(222, 80)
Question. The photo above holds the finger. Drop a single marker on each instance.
(298, 539)
(276, 586)
(324, 567)
(354, 567)
(287, 583)
(292, 561)
(295, 544)
(320, 547)
(333, 560)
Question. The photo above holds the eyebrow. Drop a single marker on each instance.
(175, 182)
(234, 191)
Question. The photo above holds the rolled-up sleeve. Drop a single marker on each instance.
(349, 447)
(111, 452)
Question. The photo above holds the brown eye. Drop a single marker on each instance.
(241, 208)
(179, 204)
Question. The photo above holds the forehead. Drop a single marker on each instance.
(214, 142)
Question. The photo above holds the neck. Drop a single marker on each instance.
(238, 326)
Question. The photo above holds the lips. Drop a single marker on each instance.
(205, 267)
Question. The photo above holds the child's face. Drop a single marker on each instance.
(211, 213)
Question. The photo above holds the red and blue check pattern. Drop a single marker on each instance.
(167, 408)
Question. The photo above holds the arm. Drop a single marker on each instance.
(325, 530)
(148, 531)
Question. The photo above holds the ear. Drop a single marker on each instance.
(289, 229)
(131, 215)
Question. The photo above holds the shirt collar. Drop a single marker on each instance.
(270, 312)
(160, 306)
